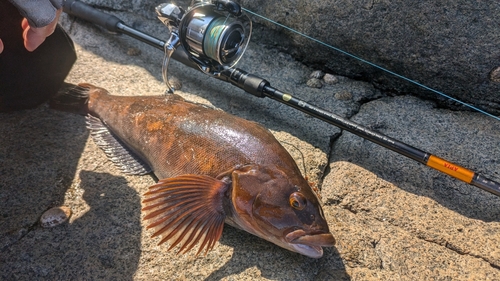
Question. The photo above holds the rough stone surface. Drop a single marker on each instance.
(393, 219)
(344, 95)
(314, 83)
(448, 45)
(318, 74)
(399, 214)
(495, 75)
(330, 79)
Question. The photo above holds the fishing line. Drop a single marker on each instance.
(372, 64)
(213, 37)
(301, 155)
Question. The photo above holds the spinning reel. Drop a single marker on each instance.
(214, 34)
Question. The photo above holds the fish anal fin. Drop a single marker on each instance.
(186, 210)
(126, 160)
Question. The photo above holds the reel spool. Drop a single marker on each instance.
(214, 34)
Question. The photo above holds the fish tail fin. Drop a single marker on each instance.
(71, 98)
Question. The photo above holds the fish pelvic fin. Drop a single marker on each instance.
(125, 159)
(187, 210)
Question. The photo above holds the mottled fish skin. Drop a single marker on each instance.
(214, 167)
(178, 137)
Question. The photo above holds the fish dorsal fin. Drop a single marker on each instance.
(116, 150)
(186, 210)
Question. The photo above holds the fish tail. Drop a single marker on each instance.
(71, 98)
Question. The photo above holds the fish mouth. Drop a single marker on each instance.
(309, 244)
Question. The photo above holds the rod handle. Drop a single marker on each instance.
(86, 12)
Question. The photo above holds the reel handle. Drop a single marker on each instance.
(230, 6)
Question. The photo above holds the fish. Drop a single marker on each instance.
(212, 168)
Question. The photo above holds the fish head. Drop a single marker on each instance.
(280, 207)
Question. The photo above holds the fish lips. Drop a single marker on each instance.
(309, 244)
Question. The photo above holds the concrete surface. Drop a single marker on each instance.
(449, 45)
(393, 219)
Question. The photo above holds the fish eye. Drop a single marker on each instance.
(297, 201)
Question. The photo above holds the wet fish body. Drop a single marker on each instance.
(213, 168)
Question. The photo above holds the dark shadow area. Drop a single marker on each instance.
(272, 261)
(39, 153)
(104, 243)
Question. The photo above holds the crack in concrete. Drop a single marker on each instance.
(444, 243)
(333, 139)
(455, 249)
(27, 231)
(326, 170)
(447, 244)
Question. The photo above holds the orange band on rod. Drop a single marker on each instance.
(451, 169)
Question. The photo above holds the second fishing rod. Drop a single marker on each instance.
(212, 36)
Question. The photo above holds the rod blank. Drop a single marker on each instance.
(416, 154)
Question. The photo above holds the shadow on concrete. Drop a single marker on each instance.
(109, 234)
(102, 244)
(39, 152)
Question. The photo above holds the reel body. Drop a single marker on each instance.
(215, 34)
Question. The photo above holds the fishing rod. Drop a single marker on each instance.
(211, 36)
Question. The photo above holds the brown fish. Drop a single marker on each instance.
(213, 168)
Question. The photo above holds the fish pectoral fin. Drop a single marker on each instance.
(186, 210)
(126, 160)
